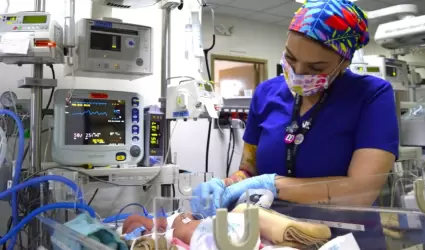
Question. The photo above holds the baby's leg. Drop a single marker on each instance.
(184, 227)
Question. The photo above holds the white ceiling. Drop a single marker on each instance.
(280, 12)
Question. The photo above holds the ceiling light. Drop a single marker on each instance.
(302, 1)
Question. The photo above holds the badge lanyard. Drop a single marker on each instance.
(295, 135)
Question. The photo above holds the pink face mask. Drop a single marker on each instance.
(305, 85)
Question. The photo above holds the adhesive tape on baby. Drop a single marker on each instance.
(169, 235)
(345, 242)
(171, 219)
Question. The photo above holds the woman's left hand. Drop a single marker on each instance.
(233, 192)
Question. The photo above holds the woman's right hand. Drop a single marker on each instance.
(207, 197)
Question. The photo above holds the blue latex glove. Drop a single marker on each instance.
(234, 192)
(208, 197)
(89, 227)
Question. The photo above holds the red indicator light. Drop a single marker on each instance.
(99, 95)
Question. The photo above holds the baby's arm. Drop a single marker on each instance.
(184, 225)
(135, 221)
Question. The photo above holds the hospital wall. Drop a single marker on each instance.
(107, 201)
(249, 39)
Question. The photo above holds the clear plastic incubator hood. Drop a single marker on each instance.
(409, 32)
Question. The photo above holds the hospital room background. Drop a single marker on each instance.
(245, 29)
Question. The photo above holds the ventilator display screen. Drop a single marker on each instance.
(34, 19)
(208, 87)
(155, 133)
(391, 71)
(95, 122)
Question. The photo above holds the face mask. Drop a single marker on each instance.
(306, 85)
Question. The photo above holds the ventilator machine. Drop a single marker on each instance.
(109, 46)
(104, 138)
(101, 128)
(31, 37)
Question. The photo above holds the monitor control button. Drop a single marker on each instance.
(139, 62)
(135, 102)
(135, 151)
(121, 156)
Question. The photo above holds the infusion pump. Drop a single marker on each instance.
(393, 70)
(98, 127)
(113, 49)
(30, 37)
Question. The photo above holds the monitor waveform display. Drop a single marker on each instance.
(89, 112)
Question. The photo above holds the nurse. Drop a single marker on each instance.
(317, 123)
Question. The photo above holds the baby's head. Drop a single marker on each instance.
(178, 219)
(135, 221)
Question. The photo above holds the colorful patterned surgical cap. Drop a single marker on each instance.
(338, 24)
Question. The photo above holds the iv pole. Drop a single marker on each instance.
(165, 75)
(36, 84)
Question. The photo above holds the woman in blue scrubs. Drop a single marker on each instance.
(319, 122)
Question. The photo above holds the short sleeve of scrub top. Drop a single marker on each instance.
(360, 112)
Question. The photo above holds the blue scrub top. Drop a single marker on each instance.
(359, 113)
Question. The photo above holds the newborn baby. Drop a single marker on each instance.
(184, 230)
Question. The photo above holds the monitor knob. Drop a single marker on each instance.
(135, 151)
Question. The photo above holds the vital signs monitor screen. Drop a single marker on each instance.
(95, 122)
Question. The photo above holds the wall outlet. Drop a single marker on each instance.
(23, 109)
(236, 120)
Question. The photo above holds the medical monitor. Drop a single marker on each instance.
(98, 127)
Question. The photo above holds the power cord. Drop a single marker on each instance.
(93, 196)
(84, 174)
(230, 149)
(43, 113)
(207, 65)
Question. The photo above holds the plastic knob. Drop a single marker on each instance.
(135, 151)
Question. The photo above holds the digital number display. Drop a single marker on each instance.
(95, 122)
(391, 71)
(208, 87)
(34, 19)
(373, 69)
(11, 18)
(155, 135)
